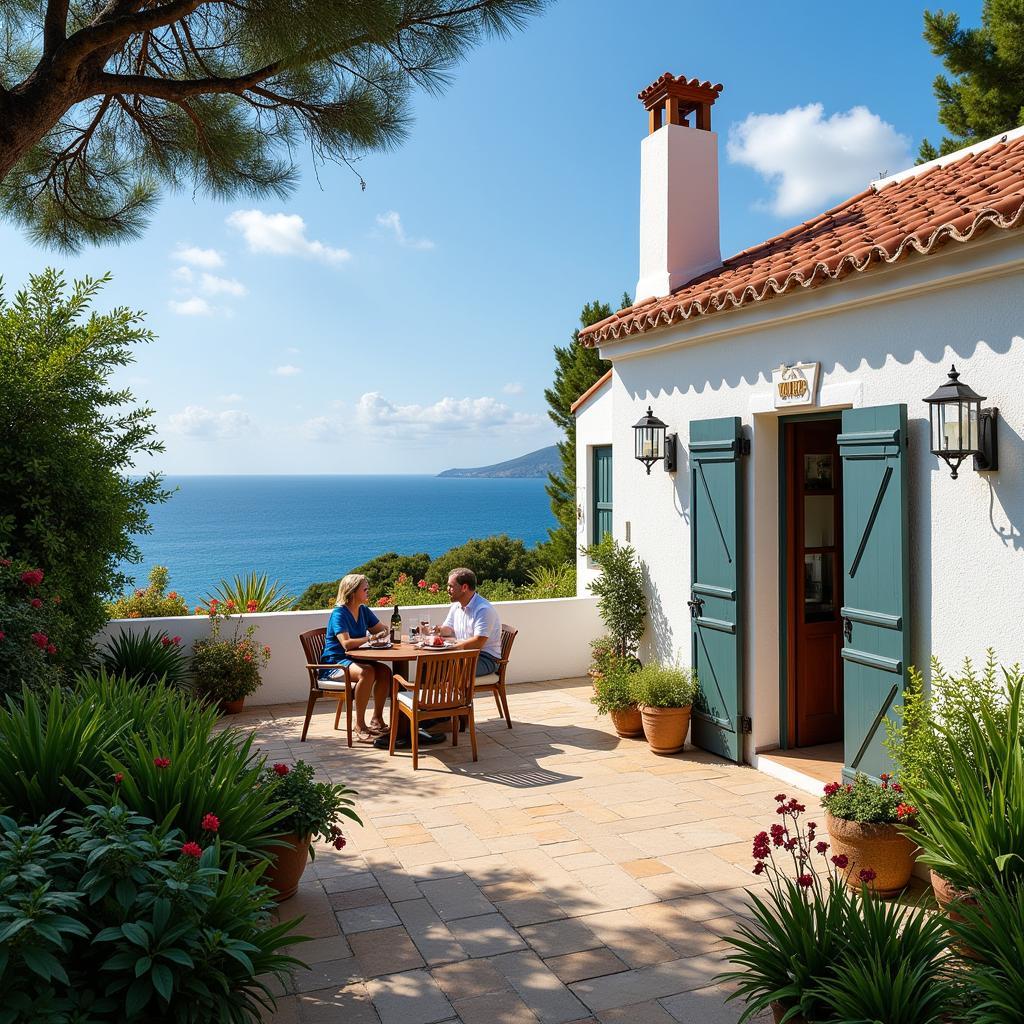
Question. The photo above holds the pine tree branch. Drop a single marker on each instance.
(179, 89)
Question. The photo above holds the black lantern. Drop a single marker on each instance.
(960, 427)
(652, 444)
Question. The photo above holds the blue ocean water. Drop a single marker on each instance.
(304, 529)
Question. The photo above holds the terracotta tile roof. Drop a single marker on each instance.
(951, 200)
(592, 390)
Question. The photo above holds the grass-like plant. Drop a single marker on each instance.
(664, 686)
(250, 593)
(146, 657)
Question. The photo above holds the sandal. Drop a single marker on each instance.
(364, 738)
(378, 730)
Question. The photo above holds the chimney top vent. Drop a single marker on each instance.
(670, 100)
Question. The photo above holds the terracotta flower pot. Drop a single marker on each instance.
(665, 728)
(232, 707)
(883, 848)
(627, 722)
(949, 897)
(779, 1011)
(286, 866)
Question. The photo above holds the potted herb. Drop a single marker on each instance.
(227, 671)
(614, 697)
(863, 821)
(315, 810)
(665, 695)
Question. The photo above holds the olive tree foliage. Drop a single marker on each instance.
(105, 102)
(70, 442)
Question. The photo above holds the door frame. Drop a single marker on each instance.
(784, 573)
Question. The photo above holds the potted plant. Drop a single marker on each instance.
(866, 823)
(227, 671)
(621, 601)
(614, 697)
(314, 811)
(665, 695)
(602, 654)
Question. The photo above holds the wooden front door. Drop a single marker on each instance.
(814, 573)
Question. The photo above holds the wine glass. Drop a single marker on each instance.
(424, 625)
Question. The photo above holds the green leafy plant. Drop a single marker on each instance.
(310, 808)
(227, 669)
(251, 593)
(549, 581)
(614, 690)
(664, 686)
(502, 590)
(410, 593)
(863, 801)
(117, 918)
(149, 602)
(619, 590)
(146, 658)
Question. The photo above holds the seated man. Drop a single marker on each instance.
(473, 621)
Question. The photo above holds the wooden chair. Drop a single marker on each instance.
(495, 681)
(343, 692)
(443, 688)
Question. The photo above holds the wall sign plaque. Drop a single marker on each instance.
(795, 385)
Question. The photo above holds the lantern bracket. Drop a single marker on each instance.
(671, 447)
(987, 461)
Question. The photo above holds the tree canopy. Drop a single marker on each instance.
(105, 102)
(986, 94)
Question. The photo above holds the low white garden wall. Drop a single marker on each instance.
(553, 642)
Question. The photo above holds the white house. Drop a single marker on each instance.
(807, 547)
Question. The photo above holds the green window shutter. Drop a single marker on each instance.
(601, 514)
(716, 584)
(876, 580)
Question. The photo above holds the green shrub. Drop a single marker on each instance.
(863, 801)
(619, 590)
(550, 581)
(491, 558)
(318, 596)
(499, 590)
(34, 629)
(382, 571)
(146, 658)
(116, 918)
(251, 593)
(407, 592)
(614, 690)
(662, 686)
(150, 602)
(227, 669)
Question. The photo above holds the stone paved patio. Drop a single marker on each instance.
(569, 875)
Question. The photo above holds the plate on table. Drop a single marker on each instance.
(376, 645)
(438, 647)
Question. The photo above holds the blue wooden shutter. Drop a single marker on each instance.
(876, 586)
(716, 581)
(601, 516)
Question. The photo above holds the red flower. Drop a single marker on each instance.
(230, 603)
(40, 640)
(780, 798)
(821, 847)
(832, 787)
(434, 588)
(422, 584)
(781, 809)
(841, 861)
(51, 648)
(384, 602)
(759, 867)
(796, 807)
(162, 762)
(2, 634)
(867, 875)
(172, 594)
(118, 778)
(36, 603)
(165, 640)
(281, 769)
(812, 824)
(248, 657)
(805, 880)
(339, 841)
(214, 602)
(176, 640)
(896, 787)
(192, 850)
(252, 606)
(32, 578)
(790, 844)
(210, 823)
(906, 811)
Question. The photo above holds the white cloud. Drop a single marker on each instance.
(447, 416)
(207, 258)
(393, 220)
(183, 274)
(282, 234)
(513, 388)
(809, 159)
(194, 306)
(214, 285)
(288, 370)
(197, 421)
(232, 399)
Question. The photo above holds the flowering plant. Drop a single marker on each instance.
(227, 669)
(407, 591)
(314, 809)
(864, 802)
(150, 602)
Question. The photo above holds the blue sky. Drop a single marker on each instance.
(409, 327)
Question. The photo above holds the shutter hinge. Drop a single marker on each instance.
(746, 725)
(743, 446)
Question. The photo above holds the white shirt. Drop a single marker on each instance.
(478, 618)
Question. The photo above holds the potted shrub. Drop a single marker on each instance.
(665, 695)
(619, 590)
(614, 697)
(602, 654)
(314, 810)
(865, 822)
(227, 671)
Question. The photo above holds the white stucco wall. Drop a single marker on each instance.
(553, 641)
(593, 428)
(883, 338)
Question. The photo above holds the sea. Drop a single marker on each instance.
(307, 529)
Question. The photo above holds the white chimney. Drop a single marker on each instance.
(678, 186)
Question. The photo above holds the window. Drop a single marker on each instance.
(601, 514)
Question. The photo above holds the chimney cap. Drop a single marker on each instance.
(672, 99)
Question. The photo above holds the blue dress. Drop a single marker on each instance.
(342, 621)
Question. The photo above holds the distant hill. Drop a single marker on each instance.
(536, 464)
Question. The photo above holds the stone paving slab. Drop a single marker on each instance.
(568, 876)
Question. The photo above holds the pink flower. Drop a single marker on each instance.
(805, 880)
(32, 578)
(192, 850)
(210, 823)
(165, 640)
(40, 640)
(281, 769)
(176, 640)
(841, 861)
(2, 634)
(896, 787)
(434, 588)
(252, 606)
(162, 762)
(422, 584)
(867, 875)
(118, 778)
(36, 603)
(248, 657)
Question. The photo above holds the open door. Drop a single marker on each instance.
(716, 578)
(876, 580)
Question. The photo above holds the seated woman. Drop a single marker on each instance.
(348, 627)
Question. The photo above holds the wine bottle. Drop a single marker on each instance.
(396, 626)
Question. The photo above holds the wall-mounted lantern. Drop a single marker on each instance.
(960, 427)
(652, 443)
